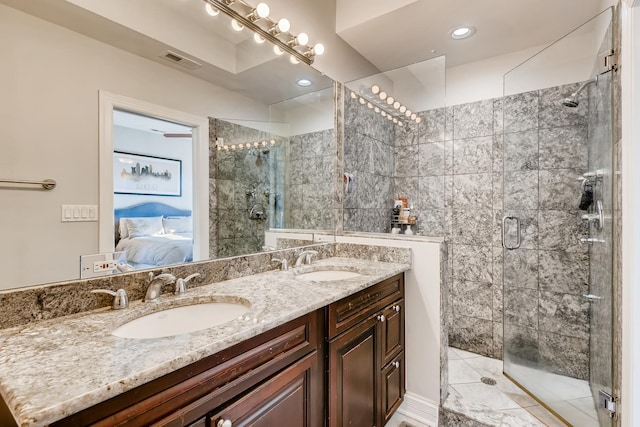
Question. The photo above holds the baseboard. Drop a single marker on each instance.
(420, 409)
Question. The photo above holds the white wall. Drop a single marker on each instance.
(154, 144)
(49, 129)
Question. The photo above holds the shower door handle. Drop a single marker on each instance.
(504, 232)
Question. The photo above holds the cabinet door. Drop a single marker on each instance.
(353, 377)
(392, 387)
(285, 400)
(392, 330)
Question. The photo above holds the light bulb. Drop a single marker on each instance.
(262, 10)
(212, 11)
(390, 100)
(383, 95)
(403, 108)
(413, 116)
(226, 148)
(256, 144)
(318, 49)
(418, 119)
(389, 117)
(302, 39)
(407, 113)
(233, 146)
(376, 109)
(264, 143)
(384, 114)
(369, 105)
(241, 146)
(219, 148)
(362, 101)
(293, 60)
(396, 105)
(353, 95)
(284, 25)
(277, 50)
(236, 25)
(273, 142)
(395, 120)
(258, 38)
(400, 123)
(375, 89)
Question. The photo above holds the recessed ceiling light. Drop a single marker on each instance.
(462, 32)
(304, 82)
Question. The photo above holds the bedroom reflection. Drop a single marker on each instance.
(153, 197)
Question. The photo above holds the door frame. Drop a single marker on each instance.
(107, 103)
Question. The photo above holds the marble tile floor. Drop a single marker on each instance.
(505, 404)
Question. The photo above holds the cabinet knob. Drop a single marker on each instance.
(396, 307)
(396, 364)
(225, 423)
(381, 317)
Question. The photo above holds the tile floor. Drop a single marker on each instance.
(505, 404)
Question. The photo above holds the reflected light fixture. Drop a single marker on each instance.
(236, 25)
(384, 104)
(276, 31)
(212, 11)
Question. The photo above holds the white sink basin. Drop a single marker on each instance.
(181, 320)
(327, 275)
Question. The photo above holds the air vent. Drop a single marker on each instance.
(180, 60)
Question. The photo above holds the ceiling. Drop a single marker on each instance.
(419, 29)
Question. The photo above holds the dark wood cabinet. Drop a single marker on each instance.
(366, 358)
(338, 366)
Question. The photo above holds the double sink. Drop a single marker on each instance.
(219, 310)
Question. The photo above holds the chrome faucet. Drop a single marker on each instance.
(155, 285)
(284, 264)
(305, 257)
(181, 284)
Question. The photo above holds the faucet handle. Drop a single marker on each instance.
(165, 277)
(181, 284)
(120, 298)
(284, 264)
(305, 257)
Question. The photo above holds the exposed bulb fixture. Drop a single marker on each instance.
(261, 11)
(403, 108)
(264, 143)
(376, 109)
(265, 28)
(369, 105)
(273, 142)
(383, 113)
(460, 33)
(418, 119)
(375, 89)
(241, 146)
(396, 105)
(212, 11)
(236, 25)
(407, 113)
(353, 95)
(362, 101)
(383, 95)
(390, 100)
(300, 40)
(413, 116)
(293, 60)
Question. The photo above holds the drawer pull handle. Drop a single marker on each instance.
(396, 364)
(396, 308)
(225, 423)
(381, 317)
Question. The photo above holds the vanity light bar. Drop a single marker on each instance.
(272, 31)
(248, 145)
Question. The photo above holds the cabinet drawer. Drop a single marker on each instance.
(186, 395)
(349, 311)
(392, 329)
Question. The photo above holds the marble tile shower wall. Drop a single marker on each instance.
(368, 155)
(310, 182)
(453, 166)
(233, 176)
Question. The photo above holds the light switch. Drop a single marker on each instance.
(79, 213)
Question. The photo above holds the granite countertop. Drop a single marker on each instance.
(52, 369)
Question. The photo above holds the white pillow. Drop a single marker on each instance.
(178, 224)
(123, 230)
(144, 226)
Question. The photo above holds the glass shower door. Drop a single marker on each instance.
(556, 224)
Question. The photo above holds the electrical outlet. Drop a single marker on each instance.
(105, 266)
(97, 265)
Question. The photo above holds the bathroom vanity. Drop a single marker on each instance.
(304, 351)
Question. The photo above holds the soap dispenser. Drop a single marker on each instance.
(408, 231)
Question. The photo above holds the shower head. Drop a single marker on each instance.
(572, 100)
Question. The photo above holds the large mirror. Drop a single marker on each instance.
(62, 54)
